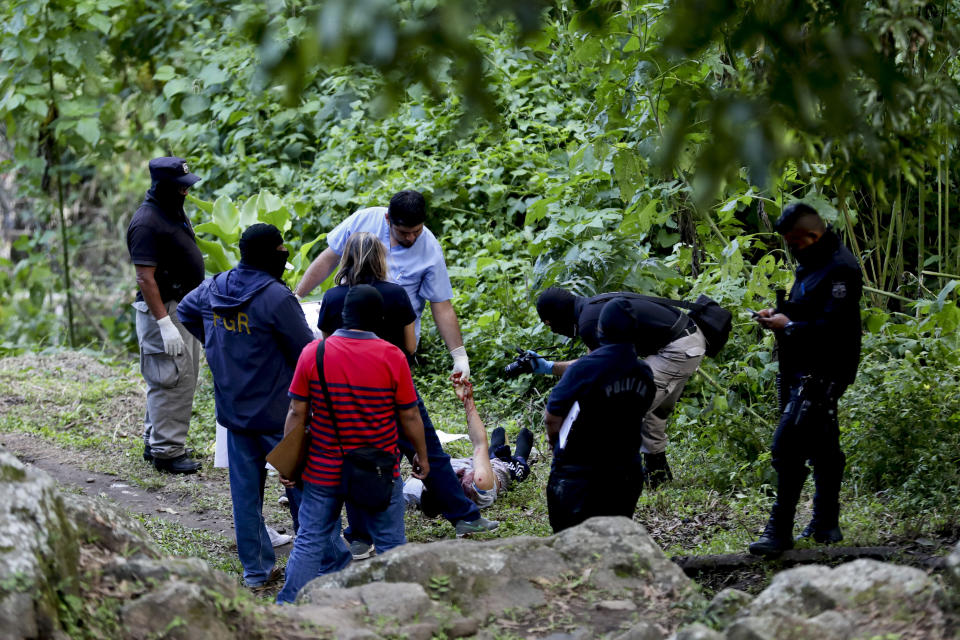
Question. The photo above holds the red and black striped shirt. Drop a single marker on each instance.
(369, 380)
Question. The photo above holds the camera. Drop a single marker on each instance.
(521, 364)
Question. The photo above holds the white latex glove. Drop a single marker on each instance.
(461, 364)
(172, 340)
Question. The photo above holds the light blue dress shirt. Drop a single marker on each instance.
(419, 269)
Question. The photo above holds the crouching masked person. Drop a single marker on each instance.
(253, 331)
(370, 392)
(818, 338)
(593, 419)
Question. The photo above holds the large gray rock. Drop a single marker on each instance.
(177, 611)
(861, 599)
(613, 559)
(808, 591)
(38, 551)
(953, 567)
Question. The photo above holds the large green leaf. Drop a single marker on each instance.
(216, 258)
(226, 216)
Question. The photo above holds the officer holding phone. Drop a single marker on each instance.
(821, 316)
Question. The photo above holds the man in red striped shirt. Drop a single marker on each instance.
(371, 391)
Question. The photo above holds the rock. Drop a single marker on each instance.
(150, 571)
(615, 605)
(38, 551)
(641, 631)
(808, 591)
(696, 632)
(726, 605)
(953, 567)
(863, 598)
(101, 523)
(178, 611)
(488, 578)
(780, 627)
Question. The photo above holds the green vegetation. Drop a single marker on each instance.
(595, 145)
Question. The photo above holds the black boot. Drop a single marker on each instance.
(182, 464)
(776, 538)
(825, 525)
(823, 535)
(656, 470)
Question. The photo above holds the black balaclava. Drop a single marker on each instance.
(362, 308)
(258, 249)
(819, 252)
(557, 306)
(166, 195)
(617, 323)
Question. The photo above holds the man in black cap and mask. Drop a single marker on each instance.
(818, 339)
(668, 340)
(169, 265)
(253, 331)
(600, 400)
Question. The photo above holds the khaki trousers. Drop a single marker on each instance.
(171, 382)
(672, 367)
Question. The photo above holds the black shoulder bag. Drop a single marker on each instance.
(366, 476)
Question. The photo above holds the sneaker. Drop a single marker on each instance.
(278, 539)
(276, 574)
(283, 501)
(360, 550)
(480, 525)
(182, 464)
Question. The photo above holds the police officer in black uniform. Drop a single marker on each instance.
(593, 419)
(818, 339)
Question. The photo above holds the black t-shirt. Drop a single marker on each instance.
(654, 321)
(397, 311)
(167, 242)
(615, 389)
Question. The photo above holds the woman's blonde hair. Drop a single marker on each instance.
(364, 260)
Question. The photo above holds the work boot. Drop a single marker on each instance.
(656, 469)
(776, 538)
(823, 535)
(181, 464)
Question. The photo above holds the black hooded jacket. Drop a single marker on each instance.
(823, 337)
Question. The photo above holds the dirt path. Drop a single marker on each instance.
(170, 502)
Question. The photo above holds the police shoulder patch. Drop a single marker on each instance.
(839, 289)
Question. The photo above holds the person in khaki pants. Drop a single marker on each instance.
(666, 338)
(169, 265)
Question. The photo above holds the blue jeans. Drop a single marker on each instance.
(319, 549)
(441, 482)
(248, 456)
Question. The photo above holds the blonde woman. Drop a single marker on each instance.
(364, 261)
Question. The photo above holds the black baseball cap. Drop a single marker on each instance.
(172, 169)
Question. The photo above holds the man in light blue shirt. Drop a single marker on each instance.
(415, 262)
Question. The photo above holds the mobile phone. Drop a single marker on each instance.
(754, 314)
